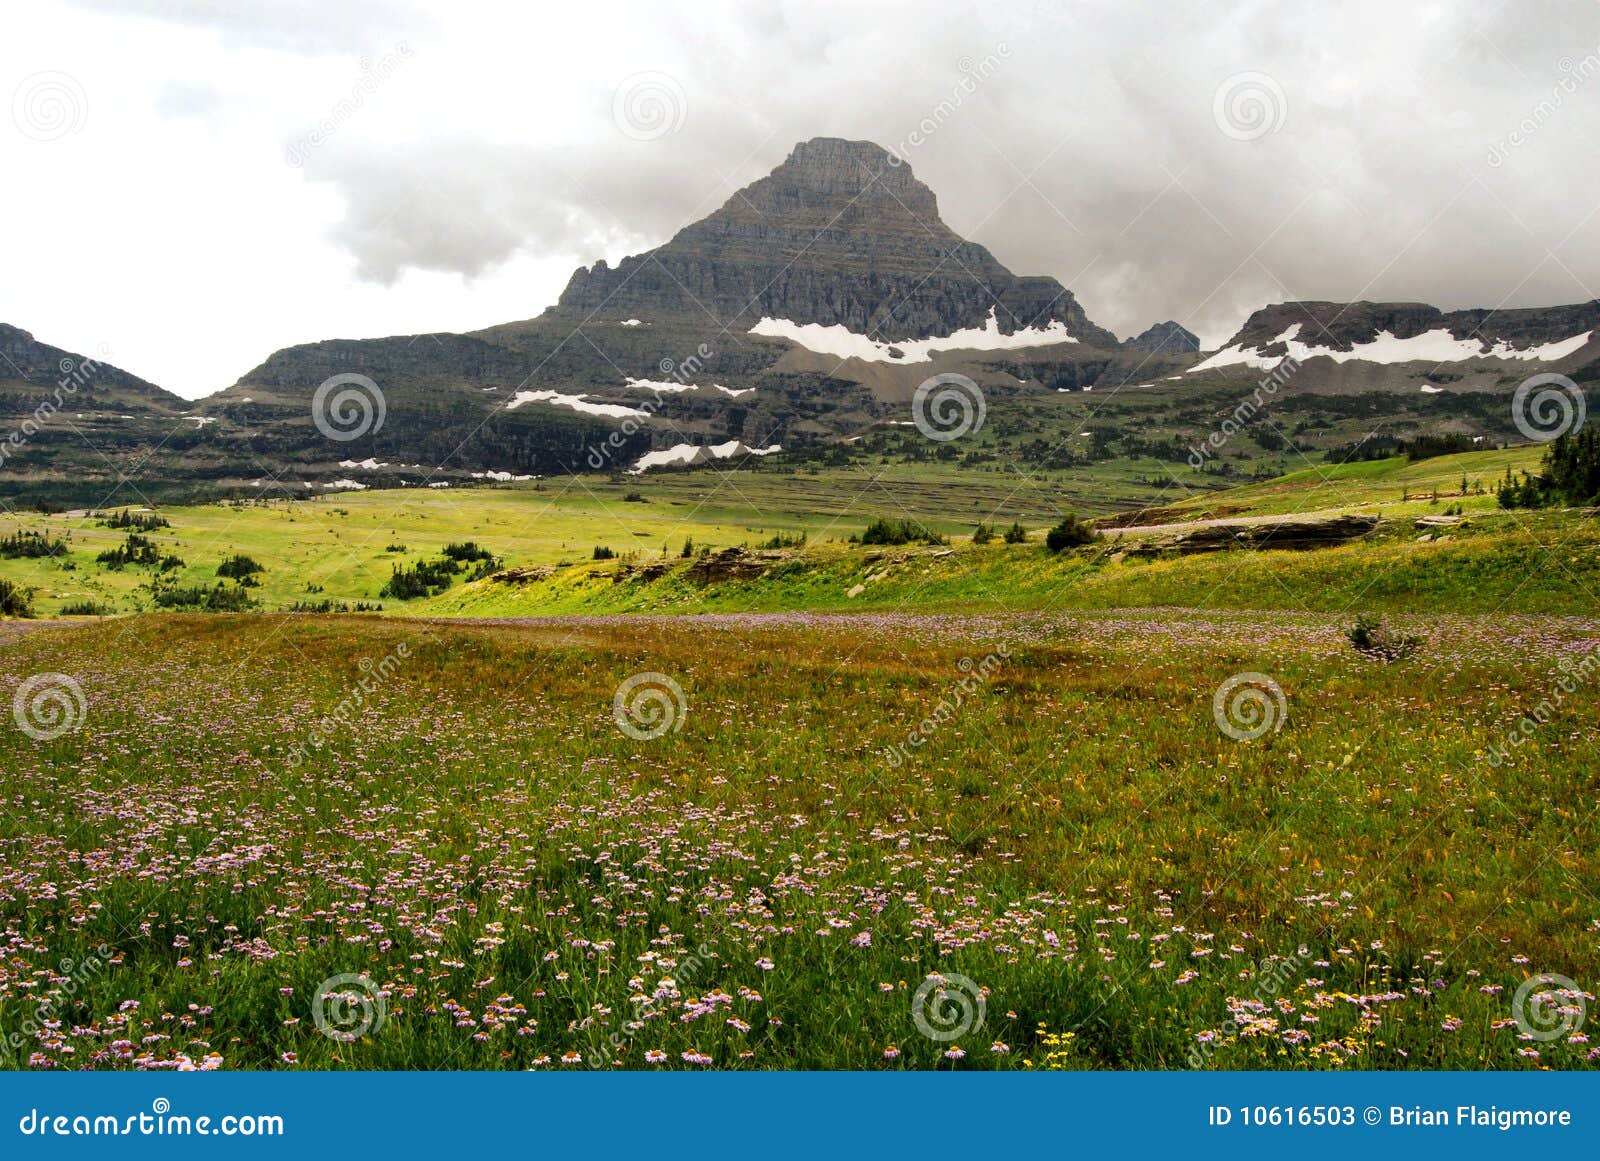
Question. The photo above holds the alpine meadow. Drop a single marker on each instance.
(730, 606)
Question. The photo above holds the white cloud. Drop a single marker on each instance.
(464, 188)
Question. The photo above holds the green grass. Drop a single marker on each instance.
(335, 548)
(452, 813)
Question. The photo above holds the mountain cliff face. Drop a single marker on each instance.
(1166, 338)
(1346, 327)
(32, 370)
(840, 234)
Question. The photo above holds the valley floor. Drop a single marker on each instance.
(882, 840)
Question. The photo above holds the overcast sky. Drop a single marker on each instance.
(191, 184)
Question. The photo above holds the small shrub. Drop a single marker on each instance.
(635, 498)
(85, 609)
(786, 540)
(886, 531)
(127, 520)
(20, 545)
(135, 550)
(1371, 637)
(197, 598)
(239, 567)
(601, 552)
(467, 552)
(982, 534)
(1070, 533)
(426, 578)
(15, 600)
(1016, 534)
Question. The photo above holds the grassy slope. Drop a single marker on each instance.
(1499, 560)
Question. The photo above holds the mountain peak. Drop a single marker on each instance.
(839, 234)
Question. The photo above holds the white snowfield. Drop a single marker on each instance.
(501, 477)
(1435, 346)
(843, 343)
(656, 384)
(576, 402)
(691, 453)
(733, 391)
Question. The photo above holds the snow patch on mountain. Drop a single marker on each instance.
(843, 343)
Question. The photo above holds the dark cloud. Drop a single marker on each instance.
(1093, 148)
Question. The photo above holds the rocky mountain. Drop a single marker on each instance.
(1165, 338)
(1404, 345)
(841, 234)
(802, 315)
(32, 372)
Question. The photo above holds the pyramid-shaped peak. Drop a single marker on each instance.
(840, 234)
